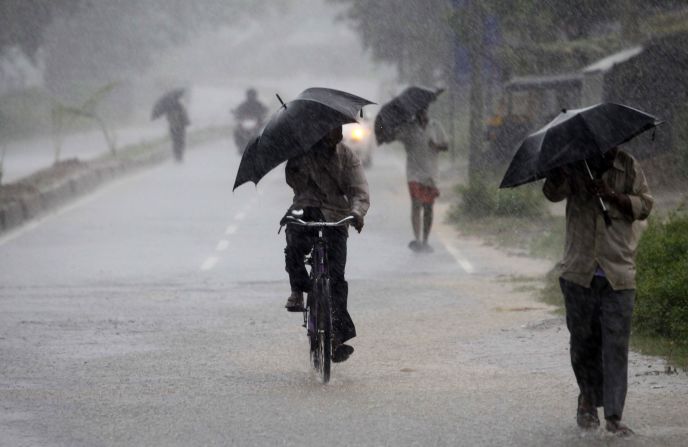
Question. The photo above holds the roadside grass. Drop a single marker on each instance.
(11, 192)
(660, 325)
(675, 353)
(194, 138)
(541, 236)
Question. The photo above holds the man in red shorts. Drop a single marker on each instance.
(423, 139)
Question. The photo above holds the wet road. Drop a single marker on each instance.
(151, 314)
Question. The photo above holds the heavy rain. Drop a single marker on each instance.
(343, 222)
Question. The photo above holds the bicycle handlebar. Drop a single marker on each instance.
(303, 223)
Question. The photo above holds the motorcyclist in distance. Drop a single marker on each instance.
(251, 108)
(249, 119)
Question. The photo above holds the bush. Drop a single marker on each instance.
(662, 292)
(524, 201)
(477, 199)
(481, 199)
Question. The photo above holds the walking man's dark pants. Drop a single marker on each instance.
(299, 243)
(599, 321)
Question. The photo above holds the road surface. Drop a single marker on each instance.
(151, 314)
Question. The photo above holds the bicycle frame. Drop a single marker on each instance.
(317, 314)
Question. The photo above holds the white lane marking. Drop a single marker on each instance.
(90, 197)
(240, 216)
(231, 229)
(222, 245)
(456, 254)
(209, 263)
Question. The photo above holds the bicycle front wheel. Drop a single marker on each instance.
(322, 357)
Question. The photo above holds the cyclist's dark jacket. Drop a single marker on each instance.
(335, 183)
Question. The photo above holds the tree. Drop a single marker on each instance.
(413, 35)
(62, 115)
(112, 39)
(23, 22)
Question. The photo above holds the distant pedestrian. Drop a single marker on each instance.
(170, 105)
(423, 138)
(178, 120)
(598, 277)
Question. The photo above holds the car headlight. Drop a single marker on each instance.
(357, 133)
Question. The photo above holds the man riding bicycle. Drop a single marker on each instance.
(329, 184)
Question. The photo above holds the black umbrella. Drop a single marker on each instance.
(166, 102)
(573, 136)
(295, 128)
(400, 110)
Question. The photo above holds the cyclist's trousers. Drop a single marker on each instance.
(299, 243)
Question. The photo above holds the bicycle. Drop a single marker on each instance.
(317, 313)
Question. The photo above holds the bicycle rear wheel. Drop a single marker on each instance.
(321, 341)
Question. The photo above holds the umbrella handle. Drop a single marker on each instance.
(281, 102)
(605, 211)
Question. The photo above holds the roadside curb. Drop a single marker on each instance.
(46, 198)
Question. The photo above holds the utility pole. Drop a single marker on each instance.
(475, 19)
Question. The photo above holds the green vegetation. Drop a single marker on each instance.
(517, 218)
(63, 115)
(483, 199)
(662, 294)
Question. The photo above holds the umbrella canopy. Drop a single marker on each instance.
(295, 128)
(166, 102)
(575, 135)
(400, 110)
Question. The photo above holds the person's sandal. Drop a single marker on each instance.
(295, 302)
(586, 414)
(616, 427)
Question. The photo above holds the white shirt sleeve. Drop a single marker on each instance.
(437, 133)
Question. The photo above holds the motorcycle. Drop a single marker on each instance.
(245, 130)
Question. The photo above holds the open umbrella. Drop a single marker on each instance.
(400, 110)
(295, 128)
(573, 136)
(166, 102)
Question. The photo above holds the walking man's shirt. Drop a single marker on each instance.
(590, 243)
(421, 158)
(423, 139)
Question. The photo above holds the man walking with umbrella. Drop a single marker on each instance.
(598, 277)
(170, 105)
(606, 197)
(405, 119)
